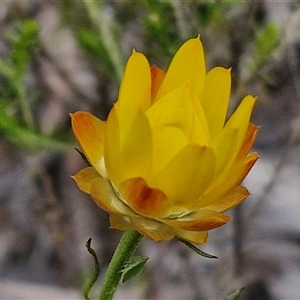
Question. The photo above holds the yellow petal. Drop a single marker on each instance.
(165, 147)
(233, 135)
(152, 229)
(249, 140)
(105, 196)
(135, 91)
(112, 149)
(89, 132)
(202, 220)
(144, 200)
(197, 237)
(187, 64)
(137, 149)
(174, 124)
(200, 132)
(136, 83)
(186, 176)
(157, 76)
(215, 98)
(226, 150)
(240, 121)
(227, 182)
(231, 200)
(84, 178)
(120, 222)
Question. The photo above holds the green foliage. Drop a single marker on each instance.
(234, 296)
(97, 33)
(14, 98)
(93, 46)
(266, 40)
(27, 138)
(159, 23)
(205, 12)
(197, 250)
(23, 46)
(132, 268)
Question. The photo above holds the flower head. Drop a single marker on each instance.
(166, 162)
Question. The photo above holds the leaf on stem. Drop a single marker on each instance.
(132, 268)
(197, 250)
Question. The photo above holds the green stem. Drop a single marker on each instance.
(124, 251)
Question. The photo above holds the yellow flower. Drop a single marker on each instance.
(166, 162)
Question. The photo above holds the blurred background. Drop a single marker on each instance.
(57, 57)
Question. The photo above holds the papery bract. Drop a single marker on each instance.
(166, 162)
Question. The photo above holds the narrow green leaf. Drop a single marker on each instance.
(132, 268)
(33, 140)
(234, 295)
(197, 250)
(92, 44)
(24, 45)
